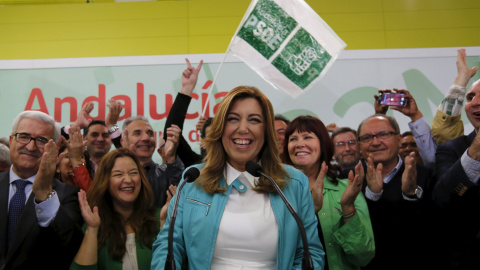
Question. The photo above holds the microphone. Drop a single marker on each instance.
(256, 170)
(190, 176)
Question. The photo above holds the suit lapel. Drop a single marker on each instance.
(470, 138)
(28, 222)
(4, 188)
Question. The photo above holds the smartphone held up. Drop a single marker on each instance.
(392, 99)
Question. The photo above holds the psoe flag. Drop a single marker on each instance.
(286, 43)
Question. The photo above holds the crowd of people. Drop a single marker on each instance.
(366, 197)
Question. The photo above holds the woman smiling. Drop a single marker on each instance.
(342, 210)
(230, 219)
(123, 224)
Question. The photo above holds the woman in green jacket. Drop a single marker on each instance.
(346, 230)
(122, 226)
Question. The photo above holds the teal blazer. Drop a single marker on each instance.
(199, 215)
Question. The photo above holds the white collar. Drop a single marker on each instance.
(231, 174)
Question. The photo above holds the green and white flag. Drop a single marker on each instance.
(286, 43)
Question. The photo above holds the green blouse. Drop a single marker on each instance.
(106, 262)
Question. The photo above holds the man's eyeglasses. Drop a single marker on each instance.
(382, 136)
(25, 138)
(350, 143)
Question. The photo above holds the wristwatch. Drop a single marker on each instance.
(417, 194)
(113, 129)
(49, 196)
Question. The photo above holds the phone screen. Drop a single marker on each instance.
(392, 99)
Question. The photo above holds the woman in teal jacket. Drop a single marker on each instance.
(341, 207)
(229, 219)
(121, 227)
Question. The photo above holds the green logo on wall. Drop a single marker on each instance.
(267, 27)
(303, 59)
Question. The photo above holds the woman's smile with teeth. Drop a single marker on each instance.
(242, 141)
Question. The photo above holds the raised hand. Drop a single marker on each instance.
(411, 110)
(91, 218)
(160, 149)
(42, 185)
(374, 175)
(76, 146)
(164, 211)
(201, 122)
(464, 74)
(380, 109)
(82, 116)
(354, 187)
(409, 176)
(317, 188)
(190, 77)
(170, 148)
(115, 108)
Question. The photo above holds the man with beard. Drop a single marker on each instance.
(346, 150)
(139, 137)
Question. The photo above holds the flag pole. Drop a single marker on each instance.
(214, 80)
(250, 7)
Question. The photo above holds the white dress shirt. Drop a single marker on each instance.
(129, 261)
(248, 231)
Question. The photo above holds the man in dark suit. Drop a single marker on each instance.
(457, 189)
(41, 222)
(398, 198)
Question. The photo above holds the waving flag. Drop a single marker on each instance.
(286, 43)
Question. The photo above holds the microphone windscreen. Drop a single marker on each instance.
(191, 174)
(253, 168)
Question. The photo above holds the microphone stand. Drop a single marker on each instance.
(190, 176)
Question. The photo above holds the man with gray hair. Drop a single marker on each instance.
(139, 137)
(43, 228)
(4, 158)
(398, 198)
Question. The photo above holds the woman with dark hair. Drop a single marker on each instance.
(230, 219)
(123, 224)
(342, 210)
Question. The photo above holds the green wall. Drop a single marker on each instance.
(69, 28)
